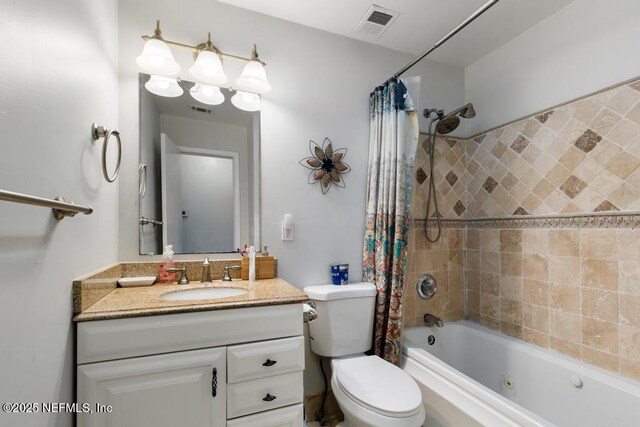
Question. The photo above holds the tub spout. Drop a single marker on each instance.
(430, 320)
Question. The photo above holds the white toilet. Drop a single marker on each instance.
(370, 391)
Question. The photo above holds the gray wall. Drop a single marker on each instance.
(58, 75)
(321, 83)
(585, 47)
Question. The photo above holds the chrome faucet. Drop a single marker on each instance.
(227, 277)
(206, 271)
(430, 321)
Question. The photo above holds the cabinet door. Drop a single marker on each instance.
(178, 389)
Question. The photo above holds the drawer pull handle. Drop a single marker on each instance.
(270, 362)
(269, 398)
(214, 382)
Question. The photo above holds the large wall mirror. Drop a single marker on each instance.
(199, 174)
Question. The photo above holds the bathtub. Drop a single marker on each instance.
(473, 376)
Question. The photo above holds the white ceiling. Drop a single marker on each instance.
(421, 22)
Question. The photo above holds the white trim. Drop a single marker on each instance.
(257, 182)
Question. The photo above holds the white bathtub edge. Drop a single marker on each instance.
(464, 401)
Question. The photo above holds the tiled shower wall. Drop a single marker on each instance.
(573, 287)
(576, 291)
(445, 261)
(445, 258)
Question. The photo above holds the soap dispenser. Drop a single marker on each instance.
(167, 263)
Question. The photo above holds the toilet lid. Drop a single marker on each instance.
(379, 385)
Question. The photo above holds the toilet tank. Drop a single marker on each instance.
(344, 324)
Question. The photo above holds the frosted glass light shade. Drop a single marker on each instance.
(207, 94)
(246, 101)
(208, 69)
(156, 59)
(254, 78)
(164, 86)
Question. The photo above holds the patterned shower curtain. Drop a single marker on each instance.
(393, 138)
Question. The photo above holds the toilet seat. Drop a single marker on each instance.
(379, 386)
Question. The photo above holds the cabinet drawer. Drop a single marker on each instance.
(264, 394)
(291, 416)
(265, 359)
(141, 336)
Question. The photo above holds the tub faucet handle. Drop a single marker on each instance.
(430, 320)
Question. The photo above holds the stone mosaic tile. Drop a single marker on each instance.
(519, 144)
(606, 206)
(451, 178)
(421, 175)
(490, 184)
(588, 140)
(573, 186)
(542, 118)
(580, 157)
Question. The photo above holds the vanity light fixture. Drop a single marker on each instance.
(156, 59)
(208, 66)
(254, 77)
(246, 101)
(163, 86)
(207, 94)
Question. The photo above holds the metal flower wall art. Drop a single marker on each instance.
(327, 165)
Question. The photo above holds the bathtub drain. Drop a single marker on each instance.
(431, 339)
(508, 383)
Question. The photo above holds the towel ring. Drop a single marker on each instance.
(99, 131)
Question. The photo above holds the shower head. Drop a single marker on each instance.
(447, 124)
(468, 112)
(451, 121)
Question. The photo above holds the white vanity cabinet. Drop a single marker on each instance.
(236, 368)
(170, 389)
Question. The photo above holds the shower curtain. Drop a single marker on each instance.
(393, 138)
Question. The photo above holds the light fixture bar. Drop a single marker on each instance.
(201, 47)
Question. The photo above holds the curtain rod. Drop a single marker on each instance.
(451, 33)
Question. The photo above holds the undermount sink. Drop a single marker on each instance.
(207, 293)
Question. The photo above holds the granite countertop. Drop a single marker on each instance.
(147, 301)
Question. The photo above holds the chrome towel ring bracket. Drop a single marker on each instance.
(99, 131)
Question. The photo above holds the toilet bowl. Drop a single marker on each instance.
(374, 393)
(370, 391)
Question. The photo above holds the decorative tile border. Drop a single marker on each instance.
(418, 224)
(628, 220)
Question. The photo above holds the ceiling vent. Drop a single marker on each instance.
(376, 21)
(200, 109)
